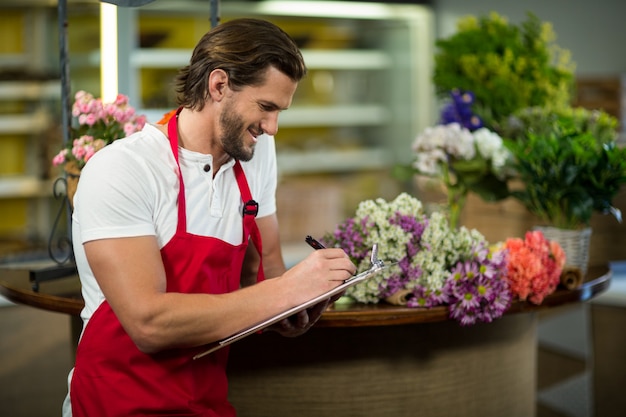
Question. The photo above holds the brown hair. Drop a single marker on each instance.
(244, 49)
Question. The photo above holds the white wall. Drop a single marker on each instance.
(593, 30)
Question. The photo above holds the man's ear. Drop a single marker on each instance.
(218, 83)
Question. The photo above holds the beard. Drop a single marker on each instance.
(233, 136)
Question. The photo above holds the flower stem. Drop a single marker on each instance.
(456, 202)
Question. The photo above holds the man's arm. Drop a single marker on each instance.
(131, 275)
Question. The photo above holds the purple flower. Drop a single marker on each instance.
(459, 110)
(477, 289)
(422, 298)
(415, 227)
(395, 283)
(350, 236)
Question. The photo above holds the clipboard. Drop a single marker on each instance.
(377, 265)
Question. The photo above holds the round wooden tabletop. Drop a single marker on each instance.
(63, 295)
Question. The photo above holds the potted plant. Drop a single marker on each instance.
(96, 125)
(507, 67)
(569, 166)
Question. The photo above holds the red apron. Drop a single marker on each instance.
(113, 378)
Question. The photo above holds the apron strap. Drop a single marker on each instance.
(172, 130)
(250, 210)
(250, 207)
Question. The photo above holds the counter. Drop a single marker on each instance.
(371, 360)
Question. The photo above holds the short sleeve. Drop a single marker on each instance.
(114, 197)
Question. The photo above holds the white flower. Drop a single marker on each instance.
(429, 163)
(490, 146)
(459, 142)
(487, 142)
(436, 144)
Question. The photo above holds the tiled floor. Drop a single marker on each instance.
(571, 397)
(35, 357)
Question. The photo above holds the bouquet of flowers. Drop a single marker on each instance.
(463, 154)
(98, 124)
(464, 161)
(437, 264)
(534, 267)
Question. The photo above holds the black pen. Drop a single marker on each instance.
(314, 243)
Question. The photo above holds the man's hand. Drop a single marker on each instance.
(300, 322)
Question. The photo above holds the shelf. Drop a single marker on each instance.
(30, 90)
(24, 186)
(25, 124)
(314, 116)
(336, 115)
(345, 59)
(17, 61)
(290, 162)
(308, 9)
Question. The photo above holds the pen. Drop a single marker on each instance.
(314, 243)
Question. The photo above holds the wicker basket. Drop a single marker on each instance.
(575, 244)
(72, 175)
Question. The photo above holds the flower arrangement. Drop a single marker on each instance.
(569, 163)
(97, 125)
(442, 266)
(438, 265)
(463, 154)
(508, 67)
(534, 266)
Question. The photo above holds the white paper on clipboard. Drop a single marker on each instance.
(275, 319)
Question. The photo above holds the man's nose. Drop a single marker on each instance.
(270, 124)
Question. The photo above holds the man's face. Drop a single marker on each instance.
(252, 111)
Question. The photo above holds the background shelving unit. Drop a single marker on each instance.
(367, 94)
(29, 96)
(368, 87)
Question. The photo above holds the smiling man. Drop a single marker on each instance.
(161, 230)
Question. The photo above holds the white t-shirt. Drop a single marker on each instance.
(130, 188)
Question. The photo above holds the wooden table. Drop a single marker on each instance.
(371, 360)
(63, 296)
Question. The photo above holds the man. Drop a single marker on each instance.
(161, 227)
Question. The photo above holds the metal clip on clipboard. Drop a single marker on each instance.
(376, 265)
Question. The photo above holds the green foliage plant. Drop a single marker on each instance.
(508, 67)
(541, 121)
(570, 166)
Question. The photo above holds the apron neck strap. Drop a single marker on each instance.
(250, 207)
(172, 133)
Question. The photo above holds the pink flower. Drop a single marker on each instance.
(59, 159)
(129, 128)
(107, 122)
(534, 266)
(87, 119)
(121, 100)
